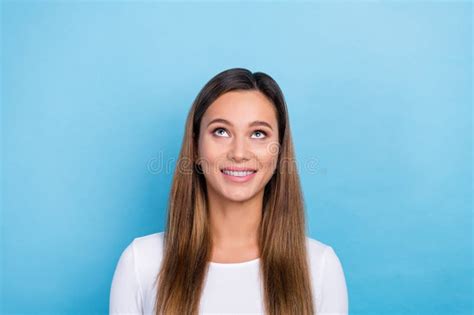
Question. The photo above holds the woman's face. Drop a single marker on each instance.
(238, 144)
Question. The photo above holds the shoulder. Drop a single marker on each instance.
(327, 274)
(320, 256)
(148, 253)
(316, 249)
(325, 265)
(149, 243)
(148, 249)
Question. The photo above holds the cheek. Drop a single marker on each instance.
(268, 160)
(209, 154)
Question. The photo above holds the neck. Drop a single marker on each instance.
(234, 224)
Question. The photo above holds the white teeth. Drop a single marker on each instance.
(238, 173)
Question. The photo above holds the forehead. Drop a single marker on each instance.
(241, 108)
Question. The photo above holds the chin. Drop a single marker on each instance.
(237, 196)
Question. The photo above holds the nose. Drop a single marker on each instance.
(238, 151)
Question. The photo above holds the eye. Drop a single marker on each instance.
(218, 130)
(260, 132)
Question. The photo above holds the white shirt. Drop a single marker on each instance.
(230, 288)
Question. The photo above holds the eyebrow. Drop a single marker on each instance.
(254, 123)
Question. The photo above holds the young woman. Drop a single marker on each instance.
(235, 239)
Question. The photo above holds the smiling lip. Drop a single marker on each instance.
(241, 169)
(238, 179)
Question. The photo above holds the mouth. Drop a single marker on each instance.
(238, 174)
(238, 171)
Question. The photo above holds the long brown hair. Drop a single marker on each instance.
(284, 266)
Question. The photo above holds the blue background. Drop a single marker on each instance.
(94, 100)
